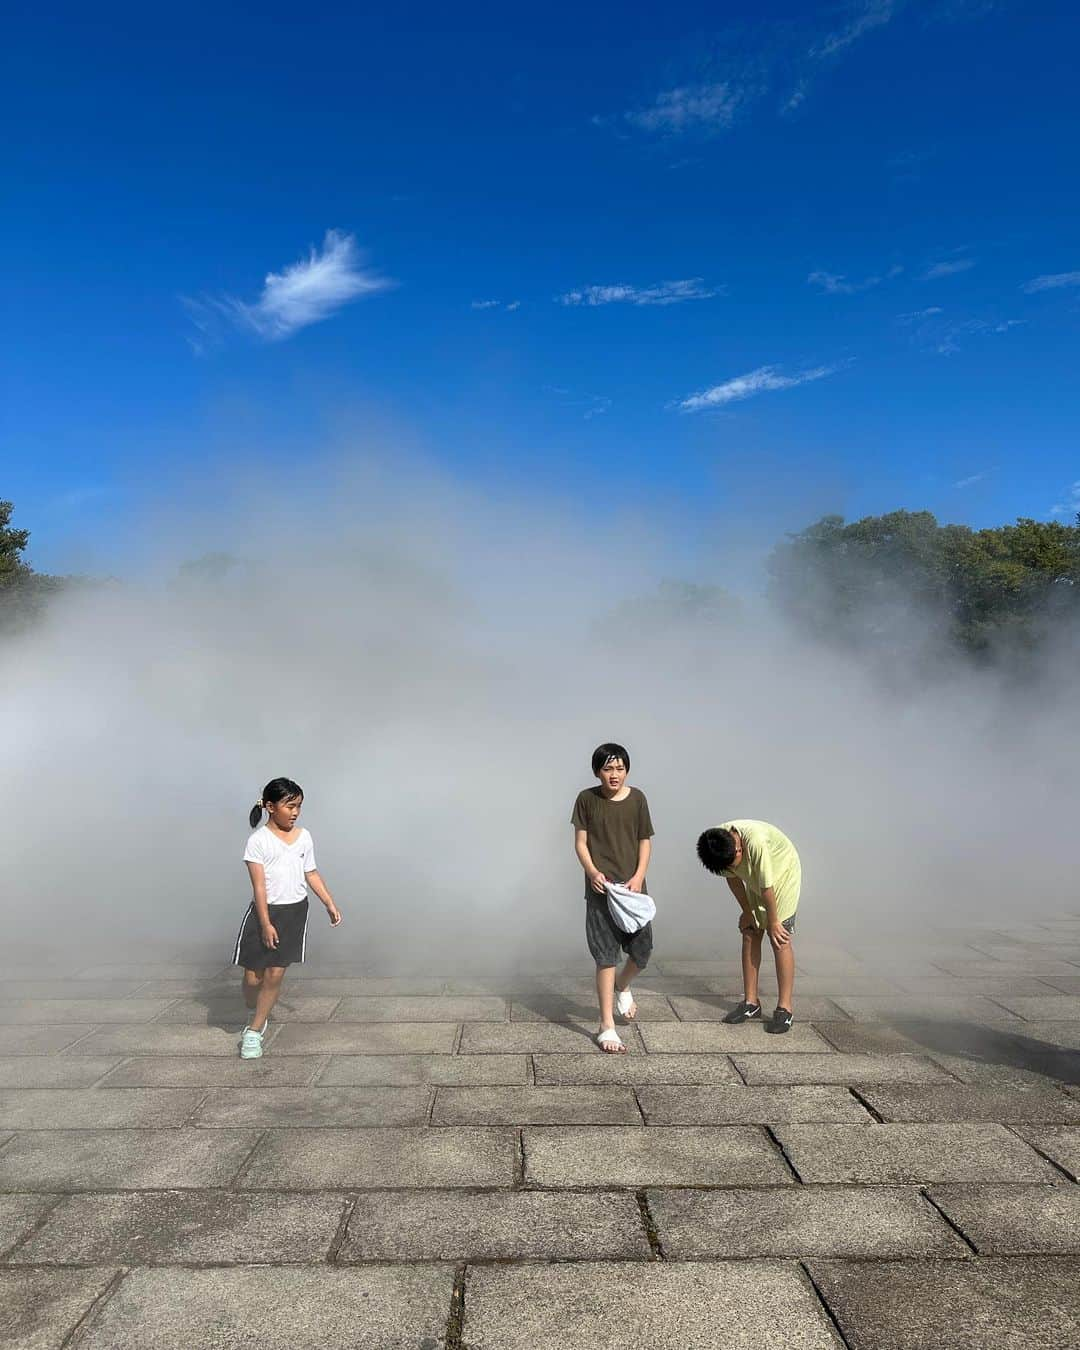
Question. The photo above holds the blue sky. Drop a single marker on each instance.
(715, 260)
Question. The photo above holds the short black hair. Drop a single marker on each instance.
(609, 750)
(716, 849)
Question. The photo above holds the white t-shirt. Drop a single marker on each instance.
(284, 864)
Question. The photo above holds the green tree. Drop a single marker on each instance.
(22, 590)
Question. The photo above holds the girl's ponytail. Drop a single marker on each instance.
(277, 790)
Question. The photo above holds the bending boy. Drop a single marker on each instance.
(762, 868)
(612, 833)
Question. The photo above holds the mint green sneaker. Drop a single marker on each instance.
(251, 1043)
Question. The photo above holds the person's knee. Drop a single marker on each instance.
(273, 974)
(253, 977)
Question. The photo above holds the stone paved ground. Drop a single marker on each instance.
(422, 1162)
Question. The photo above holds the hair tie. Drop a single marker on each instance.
(260, 802)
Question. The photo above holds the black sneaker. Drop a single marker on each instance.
(745, 1012)
(781, 1022)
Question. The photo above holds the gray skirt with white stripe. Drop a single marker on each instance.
(290, 922)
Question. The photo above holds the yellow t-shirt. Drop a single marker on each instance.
(769, 859)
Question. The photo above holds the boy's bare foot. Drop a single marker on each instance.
(607, 1038)
(625, 1005)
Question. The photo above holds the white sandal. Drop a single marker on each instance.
(610, 1037)
(625, 1005)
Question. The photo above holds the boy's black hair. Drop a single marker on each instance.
(277, 790)
(609, 750)
(716, 849)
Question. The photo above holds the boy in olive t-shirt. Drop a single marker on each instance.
(612, 833)
(763, 872)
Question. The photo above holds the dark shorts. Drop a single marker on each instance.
(291, 924)
(607, 942)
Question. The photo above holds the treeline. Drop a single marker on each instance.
(23, 592)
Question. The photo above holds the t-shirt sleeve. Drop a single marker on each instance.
(310, 865)
(645, 826)
(578, 817)
(255, 851)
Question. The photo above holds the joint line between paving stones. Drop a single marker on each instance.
(733, 1062)
(863, 1102)
(530, 1070)
(783, 1152)
(245, 1166)
(954, 1226)
(519, 1161)
(637, 1103)
(35, 1228)
(347, 1209)
(652, 1233)
(433, 1097)
(79, 1039)
(1055, 1165)
(115, 1068)
(322, 1063)
(190, 1117)
(825, 1305)
(455, 1321)
(91, 1314)
(458, 1038)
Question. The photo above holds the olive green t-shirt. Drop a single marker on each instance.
(615, 829)
(769, 859)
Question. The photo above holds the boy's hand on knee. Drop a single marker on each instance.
(747, 925)
(778, 935)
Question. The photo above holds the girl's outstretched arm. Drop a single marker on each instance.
(262, 912)
(319, 887)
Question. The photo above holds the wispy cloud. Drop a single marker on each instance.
(1071, 505)
(764, 380)
(832, 283)
(916, 315)
(306, 292)
(950, 267)
(496, 304)
(664, 293)
(970, 482)
(587, 406)
(945, 336)
(1054, 281)
(868, 16)
(702, 108)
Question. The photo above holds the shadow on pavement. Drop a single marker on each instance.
(987, 1045)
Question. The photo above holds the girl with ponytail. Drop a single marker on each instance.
(280, 859)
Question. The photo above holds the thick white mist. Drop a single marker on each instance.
(434, 669)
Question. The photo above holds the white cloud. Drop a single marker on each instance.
(665, 293)
(832, 283)
(761, 381)
(485, 304)
(970, 482)
(306, 292)
(948, 269)
(917, 315)
(514, 304)
(1055, 281)
(871, 15)
(690, 107)
(1071, 505)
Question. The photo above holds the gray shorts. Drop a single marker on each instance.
(607, 943)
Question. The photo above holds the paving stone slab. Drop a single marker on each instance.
(211, 1071)
(801, 1221)
(232, 1012)
(910, 1155)
(494, 1226)
(160, 970)
(1066, 1035)
(626, 1157)
(988, 1073)
(39, 1309)
(1062, 1143)
(53, 1071)
(714, 1008)
(997, 970)
(161, 1038)
(290, 1107)
(291, 1308)
(710, 970)
(375, 1158)
(1063, 984)
(563, 1070)
(119, 1160)
(866, 1038)
(150, 1228)
(535, 1106)
(370, 986)
(985, 1304)
(1015, 1220)
(839, 1068)
(102, 1109)
(16, 989)
(735, 1104)
(1048, 1008)
(691, 1306)
(221, 987)
(824, 985)
(367, 1038)
(953, 986)
(421, 1010)
(714, 1037)
(925, 1008)
(961, 1101)
(439, 1070)
(18, 1215)
(61, 1011)
(517, 1038)
(15, 1040)
(650, 1008)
